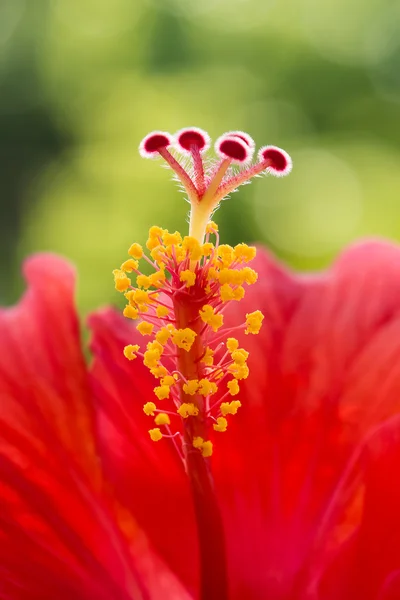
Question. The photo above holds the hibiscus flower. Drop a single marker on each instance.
(143, 476)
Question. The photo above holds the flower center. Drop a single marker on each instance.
(196, 359)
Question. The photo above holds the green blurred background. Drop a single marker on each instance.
(82, 81)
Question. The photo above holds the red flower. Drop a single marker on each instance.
(306, 478)
(300, 499)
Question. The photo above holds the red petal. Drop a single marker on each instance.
(324, 370)
(62, 534)
(148, 477)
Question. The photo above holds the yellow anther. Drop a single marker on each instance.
(207, 314)
(149, 409)
(130, 351)
(130, 265)
(226, 254)
(151, 359)
(157, 370)
(221, 424)
(162, 311)
(168, 380)
(163, 335)
(155, 434)
(228, 276)
(121, 280)
(139, 297)
(189, 277)
(207, 449)
(157, 279)
(238, 293)
(208, 358)
(145, 328)
(232, 344)
(162, 392)
(253, 322)
(155, 235)
(207, 249)
(130, 312)
(192, 246)
(240, 356)
(226, 293)
(239, 371)
(188, 409)
(198, 442)
(230, 408)
(156, 346)
(136, 251)
(244, 253)
(191, 387)
(249, 276)
(162, 419)
(206, 387)
(233, 387)
(143, 281)
(211, 227)
(183, 338)
(171, 239)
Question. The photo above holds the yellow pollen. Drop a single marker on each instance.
(253, 322)
(149, 409)
(130, 312)
(232, 344)
(162, 392)
(221, 424)
(188, 277)
(212, 227)
(130, 265)
(188, 409)
(240, 356)
(208, 316)
(155, 434)
(239, 371)
(207, 249)
(168, 380)
(250, 276)
(233, 387)
(157, 280)
(145, 328)
(121, 280)
(192, 246)
(171, 239)
(136, 251)
(207, 449)
(191, 387)
(143, 281)
(244, 253)
(162, 311)
(155, 235)
(207, 388)
(151, 360)
(157, 371)
(183, 338)
(130, 351)
(230, 408)
(162, 419)
(139, 297)
(225, 254)
(163, 335)
(208, 358)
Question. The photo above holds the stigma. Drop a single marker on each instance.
(179, 301)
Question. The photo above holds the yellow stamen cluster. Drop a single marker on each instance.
(179, 306)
